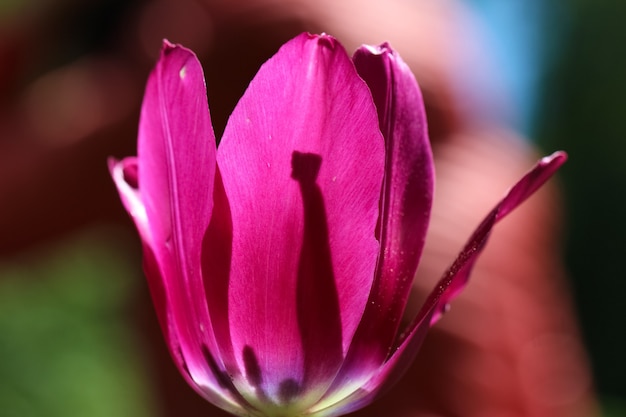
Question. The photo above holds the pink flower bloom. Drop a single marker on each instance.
(280, 263)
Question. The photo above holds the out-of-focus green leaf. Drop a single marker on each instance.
(10, 7)
(66, 346)
(613, 407)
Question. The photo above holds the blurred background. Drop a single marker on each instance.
(541, 330)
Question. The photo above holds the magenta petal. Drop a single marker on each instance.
(448, 287)
(176, 153)
(176, 173)
(406, 202)
(458, 274)
(302, 160)
(124, 174)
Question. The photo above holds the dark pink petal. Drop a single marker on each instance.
(458, 274)
(176, 153)
(449, 286)
(406, 202)
(124, 174)
(176, 168)
(302, 163)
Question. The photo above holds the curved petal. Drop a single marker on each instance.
(176, 175)
(124, 174)
(448, 287)
(302, 162)
(458, 274)
(406, 201)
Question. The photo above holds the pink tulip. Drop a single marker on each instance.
(280, 263)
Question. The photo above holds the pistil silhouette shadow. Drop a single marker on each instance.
(318, 311)
(317, 299)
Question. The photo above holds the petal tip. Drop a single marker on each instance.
(166, 45)
(124, 171)
(321, 39)
(382, 49)
(558, 157)
(168, 48)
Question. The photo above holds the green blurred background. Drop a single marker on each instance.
(583, 110)
(65, 343)
(75, 317)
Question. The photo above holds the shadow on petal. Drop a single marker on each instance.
(318, 310)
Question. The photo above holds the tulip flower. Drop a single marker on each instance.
(281, 261)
